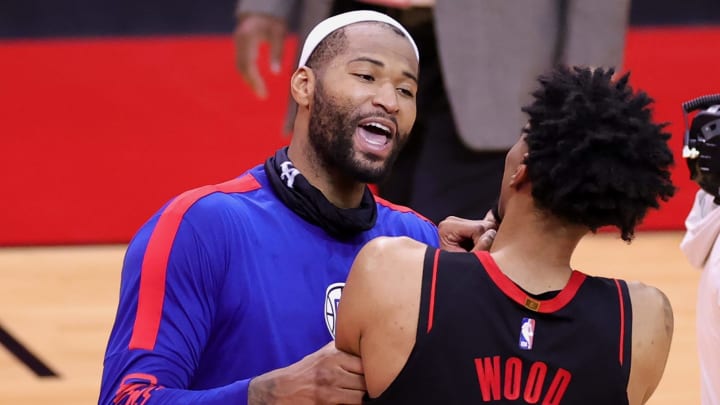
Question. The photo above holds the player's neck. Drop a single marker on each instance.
(340, 190)
(535, 250)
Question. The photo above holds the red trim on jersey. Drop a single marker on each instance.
(157, 253)
(399, 208)
(510, 289)
(431, 312)
(622, 321)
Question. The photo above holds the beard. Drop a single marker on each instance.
(331, 131)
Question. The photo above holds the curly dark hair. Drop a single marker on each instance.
(595, 157)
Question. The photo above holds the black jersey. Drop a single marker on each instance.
(481, 339)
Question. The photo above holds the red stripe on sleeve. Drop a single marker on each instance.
(399, 208)
(622, 321)
(431, 312)
(154, 268)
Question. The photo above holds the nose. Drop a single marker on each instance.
(387, 98)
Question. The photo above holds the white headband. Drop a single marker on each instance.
(327, 26)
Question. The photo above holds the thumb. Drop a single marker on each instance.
(246, 61)
(485, 241)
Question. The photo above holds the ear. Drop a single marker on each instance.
(302, 86)
(520, 176)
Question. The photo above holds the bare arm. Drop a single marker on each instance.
(651, 337)
(378, 313)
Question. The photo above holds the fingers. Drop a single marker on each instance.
(485, 241)
(346, 361)
(449, 237)
(350, 363)
(252, 77)
(460, 235)
(250, 31)
(351, 381)
(452, 244)
(343, 387)
(277, 42)
(348, 397)
(247, 45)
(343, 377)
(492, 217)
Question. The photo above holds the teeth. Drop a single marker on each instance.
(379, 126)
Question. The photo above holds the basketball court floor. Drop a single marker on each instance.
(59, 304)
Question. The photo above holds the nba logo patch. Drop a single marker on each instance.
(527, 331)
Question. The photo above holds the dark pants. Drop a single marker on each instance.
(436, 174)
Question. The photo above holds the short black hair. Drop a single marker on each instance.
(595, 156)
(336, 43)
(330, 46)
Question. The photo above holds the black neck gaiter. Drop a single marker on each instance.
(308, 202)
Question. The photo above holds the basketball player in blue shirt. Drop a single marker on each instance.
(517, 325)
(229, 292)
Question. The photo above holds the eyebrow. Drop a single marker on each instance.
(381, 64)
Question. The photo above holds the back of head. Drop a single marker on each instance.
(701, 148)
(595, 157)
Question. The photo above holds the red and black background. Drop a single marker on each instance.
(108, 108)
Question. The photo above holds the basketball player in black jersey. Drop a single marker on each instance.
(517, 325)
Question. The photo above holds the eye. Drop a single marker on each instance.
(366, 77)
(406, 92)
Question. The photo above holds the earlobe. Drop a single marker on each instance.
(302, 85)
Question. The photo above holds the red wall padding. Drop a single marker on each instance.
(95, 135)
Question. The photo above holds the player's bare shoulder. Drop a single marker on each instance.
(650, 304)
(652, 330)
(389, 253)
(387, 271)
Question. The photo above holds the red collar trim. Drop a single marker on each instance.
(515, 293)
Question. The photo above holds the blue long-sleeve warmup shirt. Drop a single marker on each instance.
(226, 283)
